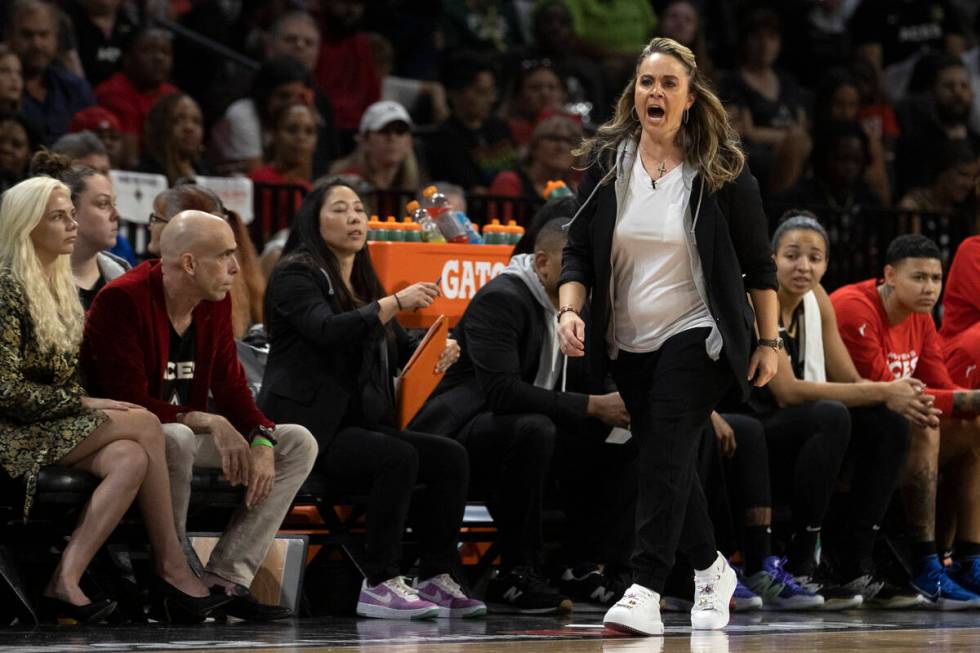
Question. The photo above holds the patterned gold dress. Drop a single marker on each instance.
(41, 413)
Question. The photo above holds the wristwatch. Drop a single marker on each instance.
(775, 343)
(263, 432)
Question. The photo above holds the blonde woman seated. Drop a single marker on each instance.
(46, 419)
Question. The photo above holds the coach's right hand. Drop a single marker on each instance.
(571, 334)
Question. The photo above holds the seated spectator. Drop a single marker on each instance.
(102, 29)
(177, 310)
(929, 119)
(612, 33)
(961, 315)
(549, 158)
(815, 410)
(97, 219)
(490, 27)
(839, 100)
(11, 80)
(296, 35)
(335, 347)
(472, 146)
(892, 36)
(241, 137)
(52, 94)
(890, 334)
(291, 148)
(46, 418)
(555, 39)
(345, 70)
(248, 286)
(19, 140)
(105, 125)
(839, 160)
(536, 92)
(952, 172)
(875, 113)
(384, 157)
(768, 107)
(173, 138)
(503, 402)
(144, 79)
(680, 20)
(86, 149)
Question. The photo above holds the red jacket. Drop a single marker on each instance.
(127, 343)
(886, 352)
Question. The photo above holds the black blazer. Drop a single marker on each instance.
(500, 338)
(326, 367)
(733, 244)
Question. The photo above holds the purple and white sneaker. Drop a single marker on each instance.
(393, 599)
(449, 597)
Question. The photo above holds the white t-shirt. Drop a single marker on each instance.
(653, 271)
(238, 135)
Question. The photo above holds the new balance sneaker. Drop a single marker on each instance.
(637, 612)
(393, 599)
(966, 572)
(588, 584)
(449, 597)
(523, 591)
(779, 590)
(942, 592)
(713, 591)
(744, 599)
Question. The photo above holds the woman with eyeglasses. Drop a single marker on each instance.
(98, 222)
(549, 157)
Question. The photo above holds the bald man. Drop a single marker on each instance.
(161, 337)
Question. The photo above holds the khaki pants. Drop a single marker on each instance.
(246, 541)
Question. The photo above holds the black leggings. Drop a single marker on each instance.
(669, 394)
(386, 466)
(806, 445)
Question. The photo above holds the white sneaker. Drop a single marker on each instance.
(713, 590)
(637, 612)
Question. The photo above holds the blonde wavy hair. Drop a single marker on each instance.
(52, 300)
(707, 137)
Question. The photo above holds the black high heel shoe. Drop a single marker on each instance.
(64, 613)
(168, 604)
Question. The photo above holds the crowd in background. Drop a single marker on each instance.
(841, 106)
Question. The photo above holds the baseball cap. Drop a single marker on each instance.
(94, 119)
(383, 113)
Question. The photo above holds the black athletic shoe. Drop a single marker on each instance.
(523, 591)
(589, 584)
(895, 597)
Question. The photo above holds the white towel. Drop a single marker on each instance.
(814, 365)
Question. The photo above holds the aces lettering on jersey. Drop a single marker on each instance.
(902, 366)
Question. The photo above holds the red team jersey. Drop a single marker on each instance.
(885, 352)
(961, 315)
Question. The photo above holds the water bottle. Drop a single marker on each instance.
(556, 188)
(394, 229)
(376, 229)
(513, 232)
(493, 233)
(430, 231)
(439, 209)
(473, 236)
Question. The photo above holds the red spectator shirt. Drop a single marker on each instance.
(885, 352)
(346, 74)
(120, 97)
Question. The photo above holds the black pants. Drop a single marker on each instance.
(670, 393)
(879, 445)
(386, 466)
(512, 458)
(747, 471)
(807, 444)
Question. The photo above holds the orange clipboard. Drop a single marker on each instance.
(419, 378)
